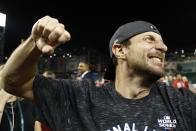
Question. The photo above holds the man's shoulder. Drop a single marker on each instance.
(164, 88)
(179, 94)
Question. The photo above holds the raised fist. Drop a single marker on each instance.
(48, 33)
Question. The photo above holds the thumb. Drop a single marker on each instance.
(47, 49)
(44, 47)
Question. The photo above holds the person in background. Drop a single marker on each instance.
(179, 82)
(186, 82)
(5, 98)
(17, 114)
(84, 71)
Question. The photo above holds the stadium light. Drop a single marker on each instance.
(2, 20)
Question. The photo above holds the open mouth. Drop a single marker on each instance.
(156, 58)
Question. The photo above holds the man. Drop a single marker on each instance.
(85, 73)
(135, 102)
(83, 70)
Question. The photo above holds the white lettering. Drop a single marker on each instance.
(146, 128)
(117, 129)
(126, 127)
(160, 120)
(167, 121)
(133, 127)
(174, 121)
(170, 125)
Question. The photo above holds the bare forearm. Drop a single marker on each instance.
(2, 106)
(20, 67)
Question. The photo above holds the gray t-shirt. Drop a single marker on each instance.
(71, 105)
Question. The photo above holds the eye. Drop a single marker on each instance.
(149, 39)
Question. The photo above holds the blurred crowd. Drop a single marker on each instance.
(178, 81)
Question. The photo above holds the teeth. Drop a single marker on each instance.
(155, 59)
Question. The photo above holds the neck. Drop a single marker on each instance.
(132, 89)
(132, 85)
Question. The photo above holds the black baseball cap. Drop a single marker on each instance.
(122, 34)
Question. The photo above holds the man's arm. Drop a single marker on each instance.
(19, 71)
(4, 97)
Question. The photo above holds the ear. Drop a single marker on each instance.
(118, 50)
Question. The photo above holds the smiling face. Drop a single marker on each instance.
(146, 53)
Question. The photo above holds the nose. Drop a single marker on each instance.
(161, 46)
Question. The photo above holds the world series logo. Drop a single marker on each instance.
(167, 123)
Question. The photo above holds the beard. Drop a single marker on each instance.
(150, 73)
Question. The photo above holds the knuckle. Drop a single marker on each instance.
(55, 20)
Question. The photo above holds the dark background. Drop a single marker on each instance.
(92, 23)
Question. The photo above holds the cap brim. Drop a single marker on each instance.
(110, 71)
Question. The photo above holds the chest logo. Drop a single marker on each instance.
(167, 123)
